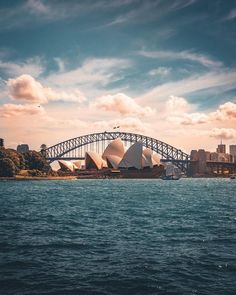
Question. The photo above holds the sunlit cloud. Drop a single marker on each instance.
(13, 110)
(223, 133)
(122, 104)
(26, 88)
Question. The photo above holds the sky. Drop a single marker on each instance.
(162, 68)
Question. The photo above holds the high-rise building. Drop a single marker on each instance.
(232, 151)
(1, 142)
(221, 149)
(22, 148)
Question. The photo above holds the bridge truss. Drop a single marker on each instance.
(75, 148)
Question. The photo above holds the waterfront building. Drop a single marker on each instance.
(221, 149)
(1, 142)
(22, 148)
(133, 157)
(232, 151)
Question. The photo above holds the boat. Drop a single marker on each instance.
(233, 176)
(171, 173)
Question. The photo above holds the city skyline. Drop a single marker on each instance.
(165, 69)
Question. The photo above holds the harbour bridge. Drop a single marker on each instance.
(75, 148)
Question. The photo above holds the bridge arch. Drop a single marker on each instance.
(168, 152)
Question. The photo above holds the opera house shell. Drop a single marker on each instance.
(69, 166)
(114, 156)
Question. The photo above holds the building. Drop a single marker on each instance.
(69, 166)
(115, 157)
(232, 151)
(22, 148)
(1, 142)
(221, 149)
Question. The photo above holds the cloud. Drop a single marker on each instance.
(183, 55)
(122, 104)
(160, 71)
(176, 104)
(223, 133)
(28, 89)
(193, 84)
(94, 71)
(13, 110)
(178, 111)
(231, 15)
(226, 111)
(31, 66)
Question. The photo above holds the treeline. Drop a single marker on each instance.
(12, 162)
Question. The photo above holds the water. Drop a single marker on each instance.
(118, 237)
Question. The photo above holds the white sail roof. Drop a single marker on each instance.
(77, 163)
(156, 159)
(114, 148)
(133, 157)
(93, 160)
(68, 165)
(114, 161)
(147, 158)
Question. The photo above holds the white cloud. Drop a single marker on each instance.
(31, 66)
(176, 104)
(223, 133)
(192, 84)
(28, 89)
(13, 110)
(184, 55)
(122, 104)
(160, 71)
(93, 71)
(178, 111)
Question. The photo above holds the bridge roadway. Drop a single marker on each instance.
(64, 149)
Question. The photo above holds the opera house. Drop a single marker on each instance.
(116, 158)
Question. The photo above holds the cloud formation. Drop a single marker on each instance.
(179, 111)
(26, 88)
(13, 110)
(184, 55)
(223, 133)
(31, 66)
(122, 104)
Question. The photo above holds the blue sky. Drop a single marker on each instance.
(180, 52)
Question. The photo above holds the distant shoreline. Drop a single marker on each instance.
(18, 177)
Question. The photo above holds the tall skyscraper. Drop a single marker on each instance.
(221, 148)
(1, 142)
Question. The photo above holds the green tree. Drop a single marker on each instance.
(35, 160)
(17, 158)
(7, 167)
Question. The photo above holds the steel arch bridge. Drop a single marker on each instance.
(75, 145)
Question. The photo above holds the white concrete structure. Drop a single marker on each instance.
(114, 148)
(133, 157)
(77, 163)
(67, 165)
(113, 161)
(93, 161)
(150, 159)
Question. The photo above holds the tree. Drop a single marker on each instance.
(17, 158)
(7, 168)
(35, 160)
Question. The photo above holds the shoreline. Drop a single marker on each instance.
(18, 177)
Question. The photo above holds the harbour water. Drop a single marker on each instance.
(118, 237)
